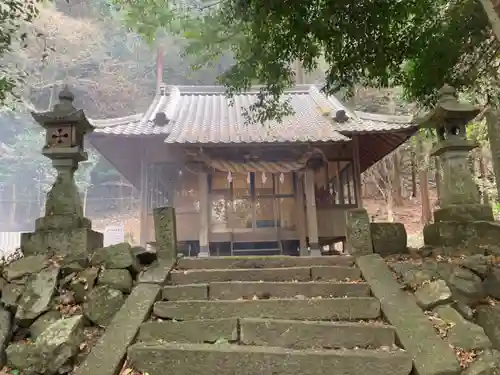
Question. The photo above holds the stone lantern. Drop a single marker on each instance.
(459, 195)
(63, 229)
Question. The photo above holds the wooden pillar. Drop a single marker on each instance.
(301, 218)
(204, 215)
(357, 172)
(143, 201)
(312, 218)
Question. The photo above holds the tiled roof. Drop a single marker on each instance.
(203, 114)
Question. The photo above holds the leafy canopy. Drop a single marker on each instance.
(13, 15)
(418, 44)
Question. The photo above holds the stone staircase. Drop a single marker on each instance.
(269, 316)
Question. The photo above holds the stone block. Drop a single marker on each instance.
(188, 359)
(431, 355)
(464, 213)
(53, 348)
(43, 322)
(480, 264)
(304, 335)
(116, 279)
(101, 305)
(157, 273)
(265, 274)
(335, 273)
(25, 266)
(61, 222)
(107, 356)
(117, 256)
(165, 232)
(389, 238)
(358, 233)
(5, 332)
(192, 331)
(461, 333)
(488, 317)
(262, 262)
(265, 290)
(474, 234)
(71, 242)
(433, 294)
(351, 308)
(486, 363)
(37, 296)
(185, 292)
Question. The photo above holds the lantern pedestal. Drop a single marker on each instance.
(63, 230)
(75, 243)
(459, 195)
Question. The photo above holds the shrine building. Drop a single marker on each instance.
(240, 188)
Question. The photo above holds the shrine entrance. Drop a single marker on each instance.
(257, 210)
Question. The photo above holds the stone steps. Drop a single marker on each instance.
(337, 273)
(234, 290)
(206, 359)
(262, 262)
(269, 315)
(271, 332)
(349, 309)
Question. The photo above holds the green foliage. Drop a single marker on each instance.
(419, 44)
(477, 132)
(13, 15)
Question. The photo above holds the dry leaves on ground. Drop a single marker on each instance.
(127, 370)
(465, 358)
(439, 324)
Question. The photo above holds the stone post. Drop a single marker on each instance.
(63, 230)
(165, 232)
(358, 232)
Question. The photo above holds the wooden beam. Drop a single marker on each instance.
(204, 215)
(491, 8)
(312, 217)
(357, 171)
(301, 218)
(143, 200)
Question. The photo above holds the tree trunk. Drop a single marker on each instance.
(396, 179)
(493, 128)
(390, 207)
(85, 200)
(492, 10)
(484, 177)
(426, 214)
(413, 175)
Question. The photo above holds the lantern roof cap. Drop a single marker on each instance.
(66, 95)
(64, 113)
(449, 108)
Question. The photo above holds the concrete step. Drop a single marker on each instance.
(263, 262)
(257, 252)
(206, 359)
(233, 290)
(268, 332)
(190, 331)
(306, 334)
(331, 309)
(265, 290)
(194, 276)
